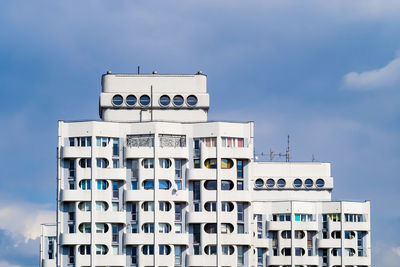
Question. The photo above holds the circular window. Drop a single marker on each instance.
(131, 100)
(165, 100)
(117, 100)
(297, 183)
(144, 100)
(191, 100)
(259, 183)
(281, 183)
(270, 183)
(178, 100)
(308, 183)
(320, 183)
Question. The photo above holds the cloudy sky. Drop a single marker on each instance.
(325, 72)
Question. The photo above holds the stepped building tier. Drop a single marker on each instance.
(154, 183)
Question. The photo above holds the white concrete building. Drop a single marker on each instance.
(156, 184)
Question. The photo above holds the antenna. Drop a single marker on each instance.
(138, 69)
(272, 154)
(288, 149)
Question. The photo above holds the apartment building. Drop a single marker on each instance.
(154, 183)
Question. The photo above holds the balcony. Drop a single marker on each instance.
(112, 173)
(172, 152)
(279, 260)
(201, 217)
(74, 239)
(328, 243)
(277, 226)
(75, 152)
(109, 260)
(139, 152)
(201, 173)
(145, 239)
(201, 260)
(138, 195)
(110, 217)
(356, 226)
(74, 195)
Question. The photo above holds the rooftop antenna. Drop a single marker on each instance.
(313, 158)
(288, 149)
(138, 69)
(272, 154)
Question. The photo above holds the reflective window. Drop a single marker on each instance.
(226, 163)
(211, 185)
(164, 184)
(165, 100)
(85, 184)
(191, 100)
(259, 183)
(178, 100)
(226, 185)
(148, 184)
(144, 100)
(148, 249)
(281, 183)
(148, 163)
(165, 163)
(148, 228)
(297, 183)
(131, 100)
(117, 100)
(101, 206)
(102, 184)
(320, 183)
(210, 163)
(308, 183)
(270, 183)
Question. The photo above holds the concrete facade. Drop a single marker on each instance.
(156, 184)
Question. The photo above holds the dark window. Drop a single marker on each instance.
(144, 100)
(131, 100)
(117, 100)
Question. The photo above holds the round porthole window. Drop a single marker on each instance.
(178, 100)
(308, 183)
(297, 183)
(191, 100)
(270, 183)
(281, 183)
(117, 100)
(131, 100)
(165, 100)
(320, 183)
(144, 100)
(259, 183)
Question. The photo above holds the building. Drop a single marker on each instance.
(156, 184)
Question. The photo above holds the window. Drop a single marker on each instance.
(85, 184)
(101, 250)
(178, 168)
(240, 255)
(350, 252)
(239, 168)
(299, 252)
(115, 249)
(349, 235)
(226, 228)
(191, 100)
(299, 234)
(270, 183)
(259, 183)
(172, 140)
(196, 163)
(286, 252)
(164, 184)
(85, 163)
(178, 228)
(281, 217)
(240, 228)
(133, 209)
(196, 233)
(102, 184)
(131, 100)
(165, 163)
(240, 211)
(304, 217)
(227, 250)
(85, 141)
(85, 206)
(148, 184)
(320, 183)
(208, 141)
(178, 100)
(210, 163)
(144, 100)
(355, 218)
(102, 141)
(164, 206)
(336, 252)
(141, 140)
(240, 185)
(101, 163)
(286, 234)
(84, 249)
(85, 228)
(165, 100)
(336, 235)
(178, 255)
(101, 228)
(148, 163)
(211, 185)
(148, 249)
(148, 228)
(211, 206)
(148, 206)
(164, 228)
(101, 206)
(178, 211)
(210, 228)
(134, 228)
(308, 183)
(226, 185)
(115, 206)
(117, 100)
(226, 206)
(115, 163)
(115, 233)
(281, 183)
(335, 217)
(178, 184)
(226, 163)
(134, 185)
(297, 183)
(134, 260)
(211, 250)
(164, 249)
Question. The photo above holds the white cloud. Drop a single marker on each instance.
(22, 220)
(6, 264)
(387, 76)
(384, 254)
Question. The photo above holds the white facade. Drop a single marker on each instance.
(156, 184)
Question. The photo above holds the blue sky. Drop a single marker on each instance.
(325, 72)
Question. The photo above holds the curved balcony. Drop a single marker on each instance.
(357, 261)
(110, 260)
(172, 152)
(305, 226)
(356, 226)
(328, 243)
(74, 239)
(102, 238)
(139, 152)
(139, 239)
(201, 173)
(110, 217)
(201, 260)
(234, 195)
(208, 238)
(82, 260)
(112, 173)
(236, 239)
(306, 260)
(74, 195)
(178, 239)
(279, 260)
(201, 217)
(138, 195)
(146, 260)
(75, 152)
(278, 226)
